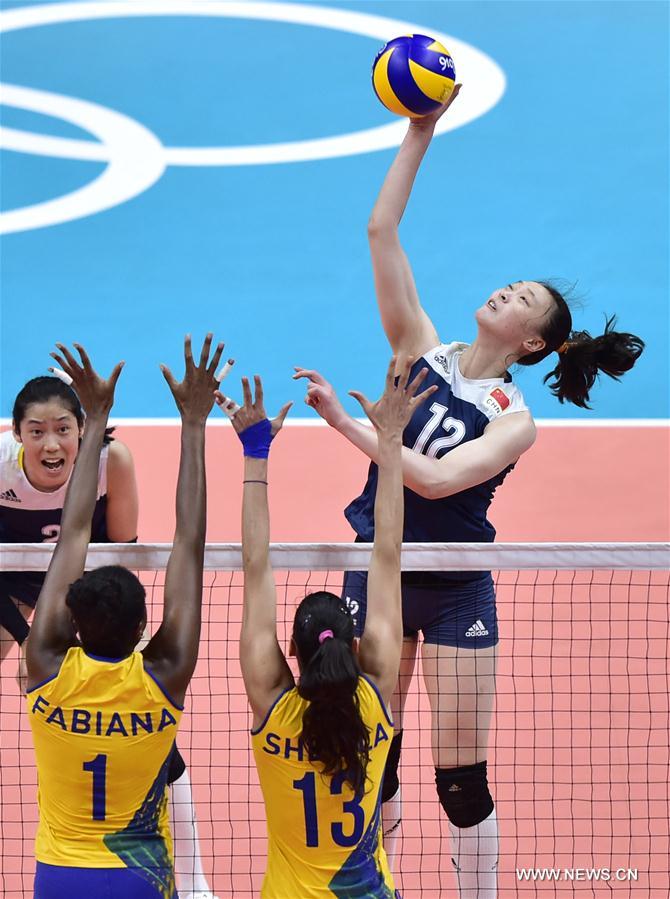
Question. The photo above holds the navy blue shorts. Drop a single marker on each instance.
(24, 586)
(58, 882)
(461, 614)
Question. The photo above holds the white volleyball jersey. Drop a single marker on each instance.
(28, 515)
(460, 410)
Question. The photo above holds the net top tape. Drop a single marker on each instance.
(356, 556)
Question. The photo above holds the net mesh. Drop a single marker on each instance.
(578, 748)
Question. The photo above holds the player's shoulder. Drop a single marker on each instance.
(442, 357)
(493, 397)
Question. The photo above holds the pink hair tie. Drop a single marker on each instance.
(324, 635)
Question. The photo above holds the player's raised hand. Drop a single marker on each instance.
(253, 410)
(321, 396)
(194, 395)
(393, 410)
(95, 393)
(428, 122)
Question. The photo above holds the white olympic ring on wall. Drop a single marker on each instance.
(136, 158)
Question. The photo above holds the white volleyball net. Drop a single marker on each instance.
(578, 748)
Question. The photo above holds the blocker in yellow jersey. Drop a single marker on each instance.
(103, 731)
(316, 824)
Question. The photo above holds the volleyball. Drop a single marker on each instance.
(413, 75)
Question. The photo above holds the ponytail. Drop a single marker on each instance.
(333, 731)
(581, 357)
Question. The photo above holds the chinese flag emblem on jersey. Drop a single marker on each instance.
(500, 397)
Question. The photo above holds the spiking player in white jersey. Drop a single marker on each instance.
(457, 450)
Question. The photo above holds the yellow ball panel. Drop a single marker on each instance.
(437, 87)
(381, 82)
(438, 48)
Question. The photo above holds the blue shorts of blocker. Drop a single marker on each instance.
(460, 614)
(59, 882)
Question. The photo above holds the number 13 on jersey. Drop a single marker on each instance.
(307, 786)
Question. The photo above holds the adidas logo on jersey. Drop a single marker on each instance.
(477, 630)
(9, 496)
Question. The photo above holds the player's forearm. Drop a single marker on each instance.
(255, 516)
(397, 187)
(419, 473)
(389, 498)
(191, 499)
(69, 556)
(83, 488)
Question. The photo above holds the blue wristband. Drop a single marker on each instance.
(256, 439)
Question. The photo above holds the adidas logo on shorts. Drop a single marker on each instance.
(477, 630)
(9, 496)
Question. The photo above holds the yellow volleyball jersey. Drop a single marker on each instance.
(322, 839)
(103, 731)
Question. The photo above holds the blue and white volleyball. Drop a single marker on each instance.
(413, 75)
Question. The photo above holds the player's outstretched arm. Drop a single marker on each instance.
(263, 664)
(467, 465)
(382, 638)
(173, 650)
(52, 631)
(407, 327)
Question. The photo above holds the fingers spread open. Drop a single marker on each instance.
(258, 387)
(215, 360)
(169, 377)
(116, 371)
(224, 371)
(204, 352)
(61, 375)
(416, 383)
(362, 399)
(71, 361)
(246, 392)
(423, 396)
(283, 412)
(84, 357)
(188, 353)
(63, 364)
(390, 373)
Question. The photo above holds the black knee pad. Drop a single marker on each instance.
(177, 765)
(390, 783)
(464, 794)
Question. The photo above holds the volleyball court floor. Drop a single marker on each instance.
(578, 757)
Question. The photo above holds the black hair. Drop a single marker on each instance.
(582, 356)
(333, 732)
(43, 389)
(108, 606)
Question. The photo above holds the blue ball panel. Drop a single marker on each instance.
(400, 79)
(430, 59)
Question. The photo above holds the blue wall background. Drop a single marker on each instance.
(565, 177)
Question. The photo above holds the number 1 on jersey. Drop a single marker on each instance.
(98, 768)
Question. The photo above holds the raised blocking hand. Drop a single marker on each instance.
(194, 395)
(96, 394)
(393, 410)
